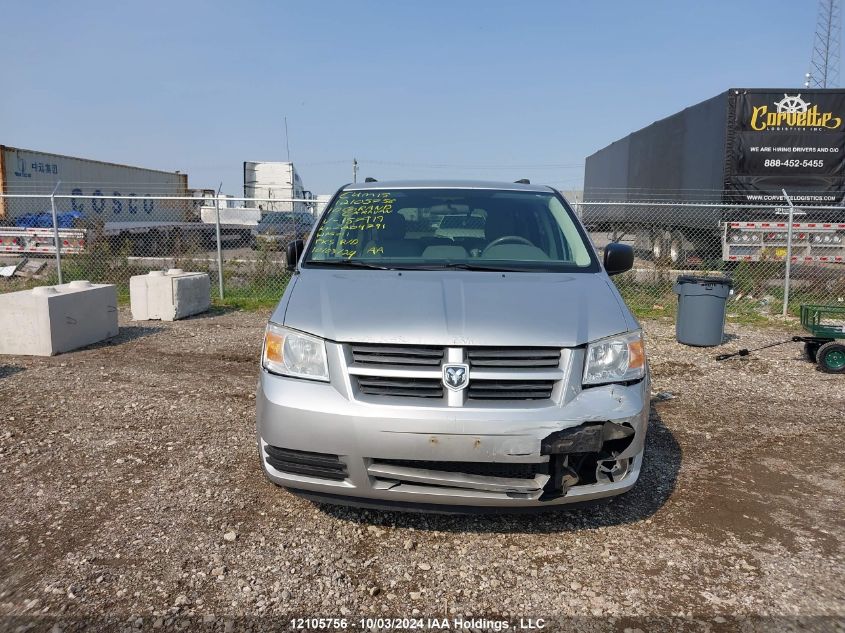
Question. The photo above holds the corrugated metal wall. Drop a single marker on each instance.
(32, 172)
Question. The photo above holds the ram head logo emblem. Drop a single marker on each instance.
(455, 377)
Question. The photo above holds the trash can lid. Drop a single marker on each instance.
(693, 279)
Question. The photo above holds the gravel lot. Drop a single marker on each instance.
(135, 492)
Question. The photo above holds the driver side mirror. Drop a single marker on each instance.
(618, 258)
(292, 253)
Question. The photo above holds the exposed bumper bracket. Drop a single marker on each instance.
(587, 438)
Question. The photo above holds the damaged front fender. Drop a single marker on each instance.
(597, 450)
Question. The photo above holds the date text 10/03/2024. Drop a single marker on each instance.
(415, 623)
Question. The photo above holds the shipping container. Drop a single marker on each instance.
(24, 171)
(741, 147)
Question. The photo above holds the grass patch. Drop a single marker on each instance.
(657, 300)
(248, 301)
(255, 292)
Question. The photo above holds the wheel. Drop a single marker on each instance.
(658, 246)
(677, 248)
(811, 350)
(831, 357)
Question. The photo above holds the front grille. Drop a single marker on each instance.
(497, 374)
(320, 465)
(484, 469)
(517, 357)
(400, 386)
(510, 389)
(377, 355)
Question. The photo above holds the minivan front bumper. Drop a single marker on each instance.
(328, 446)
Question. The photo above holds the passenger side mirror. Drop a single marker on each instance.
(618, 258)
(292, 253)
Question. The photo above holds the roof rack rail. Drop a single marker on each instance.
(522, 181)
(369, 179)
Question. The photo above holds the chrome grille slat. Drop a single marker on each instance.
(510, 390)
(364, 354)
(393, 386)
(513, 356)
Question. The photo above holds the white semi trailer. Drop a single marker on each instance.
(146, 208)
(269, 181)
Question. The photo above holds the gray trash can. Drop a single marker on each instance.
(701, 309)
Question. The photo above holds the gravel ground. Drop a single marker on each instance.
(136, 493)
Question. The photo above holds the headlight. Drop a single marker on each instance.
(294, 354)
(615, 359)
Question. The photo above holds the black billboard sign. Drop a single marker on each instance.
(788, 140)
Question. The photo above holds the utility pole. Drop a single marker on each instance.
(287, 143)
(824, 62)
(219, 244)
(354, 170)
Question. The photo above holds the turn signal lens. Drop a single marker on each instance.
(636, 354)
(273, 342)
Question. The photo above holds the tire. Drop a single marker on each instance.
(660, 241)
(811, 351)
(831, 357)
(677, 251)
(658, 246)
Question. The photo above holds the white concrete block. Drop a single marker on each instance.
(169, 295)
(53, 319)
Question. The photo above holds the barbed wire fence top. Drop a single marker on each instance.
(240, 243)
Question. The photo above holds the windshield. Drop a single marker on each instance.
(428, 229)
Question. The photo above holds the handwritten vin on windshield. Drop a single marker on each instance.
(354, 211)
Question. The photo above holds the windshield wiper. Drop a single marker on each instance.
(347, 263)
(358, 263)
(466, 266)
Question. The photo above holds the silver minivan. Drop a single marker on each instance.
(484, 361)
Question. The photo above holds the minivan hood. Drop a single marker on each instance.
(459, 308)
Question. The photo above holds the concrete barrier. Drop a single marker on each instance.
(169, 295)
(51, 319)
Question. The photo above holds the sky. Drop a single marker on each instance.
(482, 89)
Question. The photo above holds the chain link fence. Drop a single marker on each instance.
(779, 256)
(241, 243)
